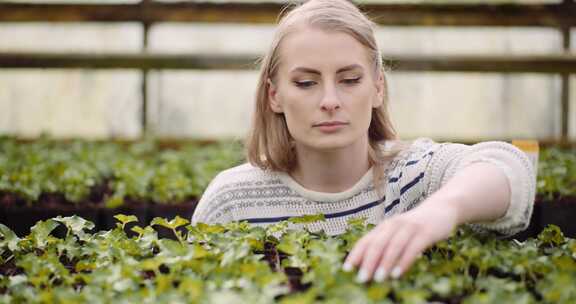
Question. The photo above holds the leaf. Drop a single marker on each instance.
(173, 224)
(277, 228)
(200, 252)
(125, 219)
(210, 228)
(307, 297)
(192, 287)
(40, 231)
(234, 252)
(178, 222)
(151, 264)
(76, 224)
(171, 247)
(442, 286)
(307, 219)
(378, 292)
(161, 222)
(115, 201)
(359, 222)
(292, 242)
(138, 230)
(10, 238)
(17, 280)
(85, 266)
(552, 235)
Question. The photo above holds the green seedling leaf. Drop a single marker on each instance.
(152, 264)
(200, 252)
(17, 280)
(210, 228)
(125, 219)
(75, 224)
(161, 222)
(114, 202)
(235, 252)
(173, 224)
(357, 222)
(552, 235)
(178, 222)
(85, 266)
(138, 230)
(192, 287)
(171, 247)
(277, 228)
(39, 233)
(307, 219)
(10, 238)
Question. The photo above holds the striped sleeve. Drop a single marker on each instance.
(406, 184)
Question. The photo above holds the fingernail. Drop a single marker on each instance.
(347, 267)
(396, 272)
(380, 275)
(362, 276)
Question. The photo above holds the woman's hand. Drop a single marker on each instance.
(392, 246)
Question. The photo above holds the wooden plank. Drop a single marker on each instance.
(565, 89)
(126, 61)
(565, 63)
(562, 63)
(551, 15)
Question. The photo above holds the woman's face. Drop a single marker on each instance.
(325, 88)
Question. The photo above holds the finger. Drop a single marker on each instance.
(395, 248)
(412, 252)
(355, 256)
(373, 254)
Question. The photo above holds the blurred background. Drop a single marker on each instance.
(460, 71)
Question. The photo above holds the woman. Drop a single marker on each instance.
(321, 142)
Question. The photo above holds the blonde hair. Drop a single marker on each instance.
(269, 143)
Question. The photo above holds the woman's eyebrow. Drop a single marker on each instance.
(340, 70)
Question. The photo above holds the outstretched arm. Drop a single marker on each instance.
(476, 193)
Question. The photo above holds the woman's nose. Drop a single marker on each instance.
(330, 100)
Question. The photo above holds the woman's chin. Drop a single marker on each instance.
(330, 143)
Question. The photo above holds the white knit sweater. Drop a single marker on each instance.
(262, 197)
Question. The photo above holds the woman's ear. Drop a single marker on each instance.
(381, 89)
(275, 103)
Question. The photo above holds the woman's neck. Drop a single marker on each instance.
(331, 171)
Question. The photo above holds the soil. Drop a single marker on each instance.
(21, 219)
(20, 215)
(559, 212)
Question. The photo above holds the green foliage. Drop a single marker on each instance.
(230, 264)
(120, 172)
(145, 173)
(556, 173)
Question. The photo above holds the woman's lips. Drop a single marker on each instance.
(330, 126)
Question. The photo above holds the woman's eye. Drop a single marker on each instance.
(352, 80)
(303, 84)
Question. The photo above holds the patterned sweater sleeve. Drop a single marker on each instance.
(210, 207)
(448, 158)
